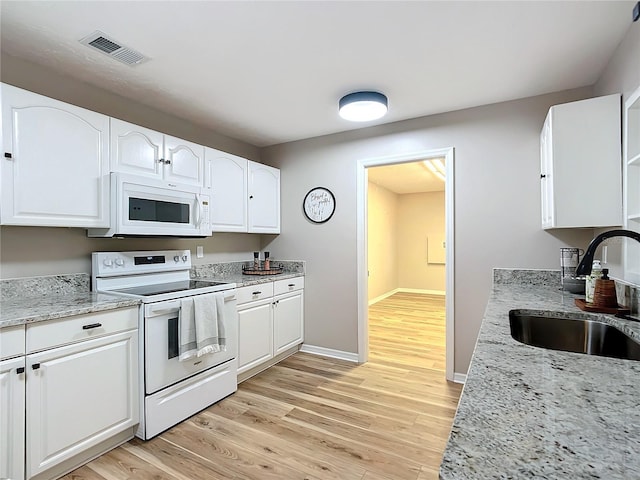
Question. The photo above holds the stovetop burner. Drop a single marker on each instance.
(157, 289)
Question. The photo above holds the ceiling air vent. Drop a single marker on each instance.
(112, 48)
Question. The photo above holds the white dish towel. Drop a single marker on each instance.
(202, 325)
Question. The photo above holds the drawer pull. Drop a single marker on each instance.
(292, 285)
(19, 370)
(256, 293)
(90, 326)
(35, 366)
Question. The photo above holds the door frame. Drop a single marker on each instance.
(362, 246)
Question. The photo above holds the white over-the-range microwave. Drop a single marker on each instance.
(143, 206)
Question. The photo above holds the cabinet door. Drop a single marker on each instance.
(135, 149)
(57, 175)
(183, 161)
(12, 419)
(78, 396)
(255, 335)
(264, 198)
(546, 175)
(228, 183)
(585, 154)
(288, 321)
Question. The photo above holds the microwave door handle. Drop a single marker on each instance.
(199, 209)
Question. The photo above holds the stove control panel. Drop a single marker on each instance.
(105, 264)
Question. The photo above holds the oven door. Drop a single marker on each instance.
(149, 207)
(161, 365)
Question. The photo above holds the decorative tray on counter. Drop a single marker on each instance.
(273, 270)
(590, 307)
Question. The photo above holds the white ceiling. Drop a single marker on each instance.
(404, 178)
(271, 72)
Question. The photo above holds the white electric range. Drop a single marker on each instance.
(171, 390)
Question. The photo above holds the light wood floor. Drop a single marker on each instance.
(311, 417)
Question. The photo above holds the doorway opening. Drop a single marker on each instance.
(434, 244)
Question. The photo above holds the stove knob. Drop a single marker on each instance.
(108, 262)
(176, 259)
(184, 258)
(119, 262)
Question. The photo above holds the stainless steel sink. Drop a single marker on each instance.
(572, 335)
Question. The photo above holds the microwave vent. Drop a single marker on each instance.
(113, 48)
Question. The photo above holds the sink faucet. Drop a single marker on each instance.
(584, 268)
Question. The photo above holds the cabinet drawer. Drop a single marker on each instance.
(254, 292)
(288, 285)
(11, 341)
(52, 333)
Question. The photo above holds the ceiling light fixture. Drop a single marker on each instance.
(436, 167)
(363, 106)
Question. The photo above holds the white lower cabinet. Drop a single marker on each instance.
(270, 321)
(73, 396)
(287, 321)
(255, 340)
(12, 380)
(78, 396)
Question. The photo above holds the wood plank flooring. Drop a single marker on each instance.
(316, 418)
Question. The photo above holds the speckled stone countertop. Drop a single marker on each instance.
(19, 311)
(231, 272)
(529, 412)
(37, 299)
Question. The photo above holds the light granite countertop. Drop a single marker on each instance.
(246, 280)
(61, 296)
(528, 412)
(231, 272)
(29, 309)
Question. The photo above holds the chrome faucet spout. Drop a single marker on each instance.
(584, 268)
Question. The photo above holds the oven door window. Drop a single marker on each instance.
(149, 210)
(173, 338)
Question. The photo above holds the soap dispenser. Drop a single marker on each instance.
(590, 283)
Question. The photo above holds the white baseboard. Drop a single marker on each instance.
(383, 296)
(460, 377)
(406, 290)
(329, 352)
(420, 290)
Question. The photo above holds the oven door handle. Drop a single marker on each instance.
(154, 310)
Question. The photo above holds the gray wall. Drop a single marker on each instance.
(27, 251)
(497, 209)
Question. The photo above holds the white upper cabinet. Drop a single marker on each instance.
(632, 185)
(580, 164)
(142, 151)
(245, 195)
(227, 178)
(136, 149)
(55, 162)
(264, 198)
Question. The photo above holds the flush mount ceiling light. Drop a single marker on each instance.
(363, 106)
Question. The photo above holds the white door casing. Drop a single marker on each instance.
(361, 235)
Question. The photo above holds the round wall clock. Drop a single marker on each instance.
(319, 204)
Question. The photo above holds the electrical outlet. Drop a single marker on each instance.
(199, 251)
